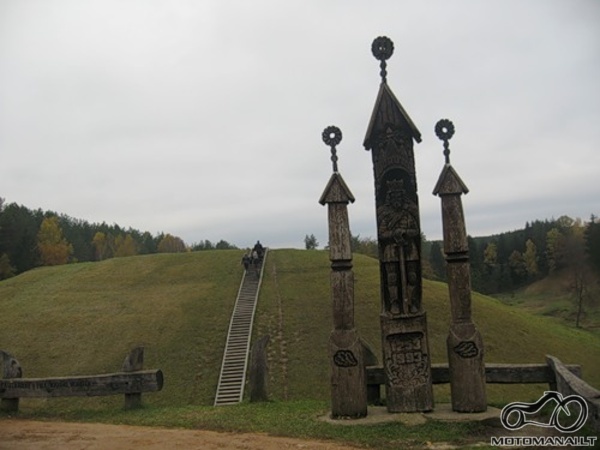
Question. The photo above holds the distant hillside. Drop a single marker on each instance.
(83, 319)
(554, 296)
(508, 261)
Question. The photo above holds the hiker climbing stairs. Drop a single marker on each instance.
(230, 389)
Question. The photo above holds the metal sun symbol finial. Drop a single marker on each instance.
(444, 130)
(332, 136)
(382, 49)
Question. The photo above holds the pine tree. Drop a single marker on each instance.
(592, 241)
(437, 261)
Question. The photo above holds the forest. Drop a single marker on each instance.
(509, 260)
(33, 238)
(504, 262)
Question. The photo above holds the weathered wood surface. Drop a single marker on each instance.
(567, 383)
(133, 362)
(348, 386)
(494, 373)
(9, 368)
(407, 363)
(464, 343)
(390, 137)
(258, 382)
(83, 386)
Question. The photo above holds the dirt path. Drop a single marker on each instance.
(32, 435)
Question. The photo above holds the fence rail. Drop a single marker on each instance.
(131, 382)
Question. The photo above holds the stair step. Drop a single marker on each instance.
(235, 356)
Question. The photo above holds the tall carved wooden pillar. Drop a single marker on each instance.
(348, 378)
(405, 345)
(464, 343)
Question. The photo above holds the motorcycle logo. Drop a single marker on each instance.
(513, 416)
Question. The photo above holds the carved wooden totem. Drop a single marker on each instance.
(403, 322)
(464, 343)
(348, 378)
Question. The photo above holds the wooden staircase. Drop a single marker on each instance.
(230, 389)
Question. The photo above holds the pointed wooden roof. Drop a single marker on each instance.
(449, 183)
(336, 191)
(387, 103)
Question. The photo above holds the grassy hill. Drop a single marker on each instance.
(553, 296)
(84, 318)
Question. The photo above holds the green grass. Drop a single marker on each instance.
(553, 297)
(295, 310)
(84, 318)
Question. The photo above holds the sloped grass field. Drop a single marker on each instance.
(295, 310)
(84, 318)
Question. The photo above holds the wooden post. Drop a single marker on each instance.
(406, 357)
(10, 369)
(464, 343)
(134, 362)
(348, 376)
(259, 371)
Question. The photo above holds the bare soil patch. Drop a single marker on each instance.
(34, 435)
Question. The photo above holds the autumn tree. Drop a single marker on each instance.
(555, 246)
(171, 244)
(52, 246)
(102, 245)
(578, 268)
(490, 255)
(6, 268)
(125, 245)
(530, 259)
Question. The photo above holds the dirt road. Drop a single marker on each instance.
(32, 435)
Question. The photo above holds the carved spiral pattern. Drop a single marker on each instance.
(332, 136)
(382, 48)
(444, 129)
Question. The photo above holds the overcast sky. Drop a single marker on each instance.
(203, 119)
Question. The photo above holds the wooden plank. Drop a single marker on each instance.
(494, 373)
(134, 362)
(568, 383)
(83, 386)
(9, 368)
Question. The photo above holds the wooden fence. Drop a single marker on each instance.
(562, 378)
(131, 382)
(568, 383)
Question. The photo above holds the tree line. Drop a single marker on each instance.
(509, 260)
(32, 238)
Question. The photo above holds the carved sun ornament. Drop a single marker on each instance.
(332, 136)
(444, 129)
(382, 48)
